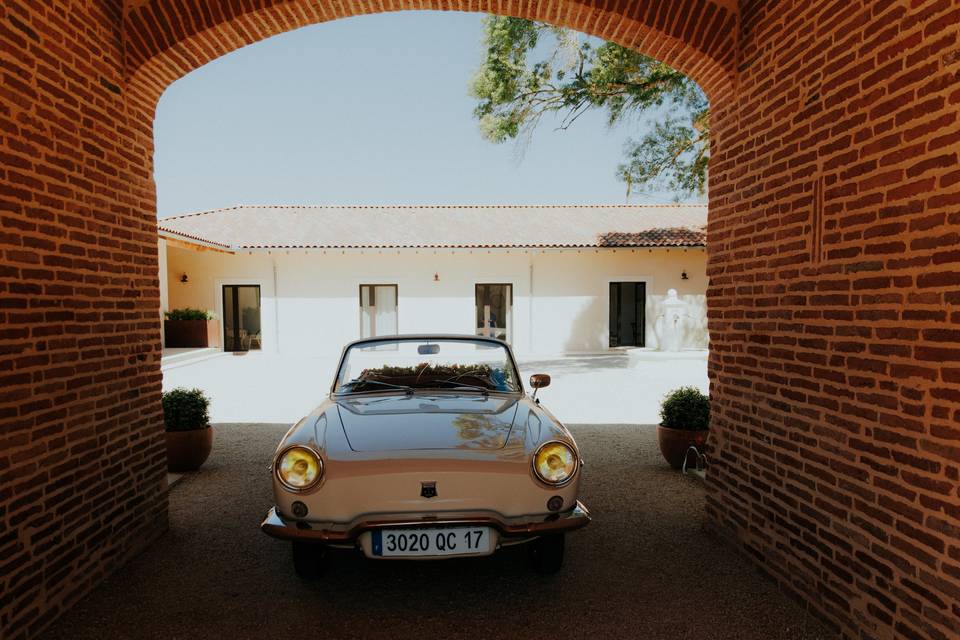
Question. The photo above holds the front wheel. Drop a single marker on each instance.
(310, 559)
(546, 553)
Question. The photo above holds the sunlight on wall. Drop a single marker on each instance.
(560, 299)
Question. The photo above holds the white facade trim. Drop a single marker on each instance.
(561, 299)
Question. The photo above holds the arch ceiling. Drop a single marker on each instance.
(166, 39)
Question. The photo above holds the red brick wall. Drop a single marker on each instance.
(835, 211)
(82, 459)
(834, 247)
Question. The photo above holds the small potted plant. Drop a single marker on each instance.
(189, 434)
(189, 328)
(684, 422)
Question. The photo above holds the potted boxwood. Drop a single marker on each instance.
(189, 328)
(189, 434)
(684, 422)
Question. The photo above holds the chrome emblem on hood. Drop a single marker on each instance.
(428, 489)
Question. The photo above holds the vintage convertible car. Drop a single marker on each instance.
(427, 447)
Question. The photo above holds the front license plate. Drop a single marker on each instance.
(451, 541)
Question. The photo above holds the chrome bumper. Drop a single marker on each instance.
(336, 533)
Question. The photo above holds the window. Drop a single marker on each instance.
(241, 317)
(495, 311)
(628, 301)
(378, 310)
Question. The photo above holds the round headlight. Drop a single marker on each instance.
(299, 468)
(555, 463)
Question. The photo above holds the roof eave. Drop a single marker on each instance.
(191, 242)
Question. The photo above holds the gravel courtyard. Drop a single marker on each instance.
(643, 569)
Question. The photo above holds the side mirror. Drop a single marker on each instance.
(539, 381)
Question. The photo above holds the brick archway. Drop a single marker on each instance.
(167, 39)
(835, 214)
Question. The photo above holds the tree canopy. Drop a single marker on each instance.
(531, 69)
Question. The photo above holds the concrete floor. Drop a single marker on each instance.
(643, 569)
(609, 388)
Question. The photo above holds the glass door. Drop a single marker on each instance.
(241, 317)
(378, 310)
(495, 311)
(628, 314)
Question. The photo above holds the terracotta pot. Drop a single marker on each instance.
(189, 333)
(187, 450)
(674, 444)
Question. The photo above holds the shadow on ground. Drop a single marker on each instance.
(575, 364)
(643, 569)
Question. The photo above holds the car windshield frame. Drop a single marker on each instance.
(335, 388)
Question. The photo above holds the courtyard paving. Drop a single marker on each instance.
(645, 568)
(610, 388)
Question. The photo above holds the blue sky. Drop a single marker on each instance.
(366, 110)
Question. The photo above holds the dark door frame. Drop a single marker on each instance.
(235, 314)
(639, 336)
(476, 290)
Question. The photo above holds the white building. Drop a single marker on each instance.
(549, 279)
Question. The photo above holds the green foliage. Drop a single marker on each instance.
(513, 94)
(674, 156)
(685, 408)
(427, 374)
(187, 314)
(185, 409)
(426, 371)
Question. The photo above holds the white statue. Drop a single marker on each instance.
(670, 324)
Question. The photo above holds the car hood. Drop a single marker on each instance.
(421, 421)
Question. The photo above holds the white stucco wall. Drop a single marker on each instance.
(310, 302)
(164, 280)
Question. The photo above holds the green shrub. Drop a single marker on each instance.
(425, 369)
(185, 409)
(187, 314)
(685, 408)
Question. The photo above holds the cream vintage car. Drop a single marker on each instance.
(427, 447)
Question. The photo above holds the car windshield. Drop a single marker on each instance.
(422, 363)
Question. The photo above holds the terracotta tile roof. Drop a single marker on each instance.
(666, 237)
(481, 226)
